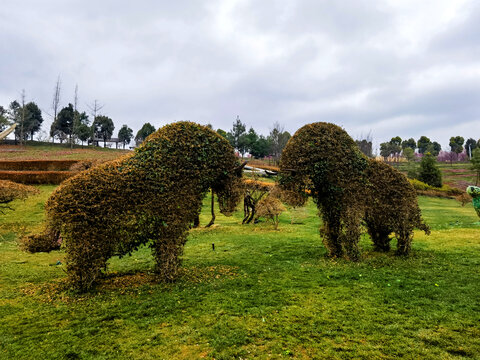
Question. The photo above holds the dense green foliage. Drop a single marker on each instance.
(4, 122)
(103, 127)
(32, 121)
(425, 145)
(151, 196)
(476, 164)
(391, 207)
(456, 144)
(410, 143)
(63, 125)
(10, 191)
(323, 159)
(429, 173)
(125, 135)
(144, 132)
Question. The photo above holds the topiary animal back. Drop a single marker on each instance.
(150, 196)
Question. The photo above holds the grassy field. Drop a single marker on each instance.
(260, 294)
(458, 175)
(48, 151)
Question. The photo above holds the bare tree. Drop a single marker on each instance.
(75, 117)
(56, 102)
(94, 108)
(22, 121)
(278, 139)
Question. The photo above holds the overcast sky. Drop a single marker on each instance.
(406, 68)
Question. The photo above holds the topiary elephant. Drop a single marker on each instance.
(474, 192)
(150, 196)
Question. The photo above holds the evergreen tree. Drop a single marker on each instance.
(143, 133)
(429, 172)
(422, 144)
(250, 139)
(476, 164)
(103, 127)
(456, 144)
(470, 145)
(4, 122)
(222, 133)
(410, 143)
(81, 128)
(125, 135)
(63, 125)
(260, 148)
(33, 119)
(236, 136)
(83, 132)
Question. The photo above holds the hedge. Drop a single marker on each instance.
(36, 177)
(36, 165)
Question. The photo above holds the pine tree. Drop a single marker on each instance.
(429, 172)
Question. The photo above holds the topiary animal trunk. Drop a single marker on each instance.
(151, 196)
(323, 159)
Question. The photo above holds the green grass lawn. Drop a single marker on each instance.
(47, 151)
(260, 294)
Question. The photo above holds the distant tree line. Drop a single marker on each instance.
(396, 147)
(255, 144)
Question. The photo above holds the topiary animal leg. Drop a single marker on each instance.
(331, 236)
(351, 235)
(404, 242)
(84, 262)
(380, 237)
(167, 251)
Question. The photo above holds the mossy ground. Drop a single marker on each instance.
(260, 294)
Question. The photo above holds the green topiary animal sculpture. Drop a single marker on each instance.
(474, 192)
(151, 196)
(323, 160)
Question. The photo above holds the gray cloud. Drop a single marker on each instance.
(390, 67)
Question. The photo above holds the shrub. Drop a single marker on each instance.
(36, 165)
(44, 242)
(36, 177)
(148, 197)
(445, 191)
(270, 208)
(85, 165)
(253, 192)
(10, 191)
(429, 173)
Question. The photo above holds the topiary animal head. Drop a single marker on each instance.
(473, 191)
(323, 158)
